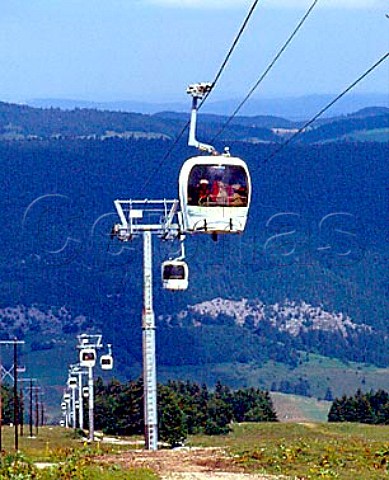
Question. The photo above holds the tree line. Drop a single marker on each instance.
(371, 407)
(184, 408)
(7, 404)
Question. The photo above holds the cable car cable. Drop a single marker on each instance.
(232, 48)
(265, 73)
(217, 77)
(329, 105)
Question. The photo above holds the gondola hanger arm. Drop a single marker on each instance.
(198, 91)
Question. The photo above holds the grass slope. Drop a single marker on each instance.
(294, 408)
(64, 456)
(309, 451)
(296, 450)
(320, 372)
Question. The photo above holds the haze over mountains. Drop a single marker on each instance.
(293, 108)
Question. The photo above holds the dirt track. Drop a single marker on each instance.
(215, 476)
(187, 464)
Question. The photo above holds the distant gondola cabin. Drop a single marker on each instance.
(106, 362)
(72, 382)
(88, 357)
(175, 274)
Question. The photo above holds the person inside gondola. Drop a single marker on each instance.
(203, 192)
(88, 356)
(239, 199)
(220, 193)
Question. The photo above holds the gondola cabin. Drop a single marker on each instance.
(106, 362)
(175, 275)
(85, 392)
(215, 194)
(63, 406)
(72, 382)
(88, 357)
(66, 397)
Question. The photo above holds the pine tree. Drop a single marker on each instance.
(172, 424)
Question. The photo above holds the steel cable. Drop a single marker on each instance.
(265, 73)
(328, 106)
(215, 81)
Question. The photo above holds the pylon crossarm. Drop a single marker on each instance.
(91, 341)
(160, 217)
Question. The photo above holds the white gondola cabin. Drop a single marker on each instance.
(66, 397)
(88, 357)
(175, 275)
(214, 189)
(72, 382)
(106, 362)
(85, 392)
(215, 194)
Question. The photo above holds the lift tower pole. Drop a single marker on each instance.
(148, 218)
(91, 403)
(148, 339)
(88, 345)
(80, 400)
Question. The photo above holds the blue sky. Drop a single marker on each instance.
(151, 49)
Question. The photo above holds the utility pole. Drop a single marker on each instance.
(137, 217)
(36, 411)
(13, 374)
(30, 416)
(16, 399)
(21, 410)
(42, 413)
(16, 403)
(23, 402)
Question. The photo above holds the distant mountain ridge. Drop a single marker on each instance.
(18, 122)
(292, 108)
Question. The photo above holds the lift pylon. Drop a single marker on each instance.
(148, 218)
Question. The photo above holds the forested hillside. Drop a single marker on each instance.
(18, 122)
(315, 237)
(307, 278)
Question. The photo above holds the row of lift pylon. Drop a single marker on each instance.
(87, 359)
(214, 194)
